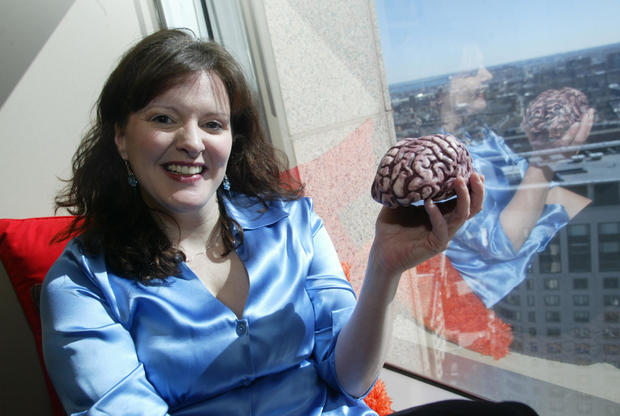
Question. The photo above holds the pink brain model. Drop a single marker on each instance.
(548, 117)
(421, 168)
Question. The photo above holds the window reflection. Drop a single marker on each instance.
(554, 280)
(579, 248)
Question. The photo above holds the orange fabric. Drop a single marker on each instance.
(379, 400)
(457, 313)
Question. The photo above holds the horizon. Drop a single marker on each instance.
(536, 58)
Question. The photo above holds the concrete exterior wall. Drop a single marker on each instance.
(337, 111)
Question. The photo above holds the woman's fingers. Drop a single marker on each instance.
(476, 182)
(444, 227)
(463, 203)
(569, 137)
(440, 234)
(578, 132)
(585, 125)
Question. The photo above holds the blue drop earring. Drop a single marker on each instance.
(226, 184)
(131, 178)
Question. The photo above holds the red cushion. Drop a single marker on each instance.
(27, 254)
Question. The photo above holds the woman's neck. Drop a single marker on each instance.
(192, 232)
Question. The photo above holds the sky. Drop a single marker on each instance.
(423, 38)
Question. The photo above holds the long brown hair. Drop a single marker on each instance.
(110, 215)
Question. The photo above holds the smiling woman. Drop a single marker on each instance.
(201, 281)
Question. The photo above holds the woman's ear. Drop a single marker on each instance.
(119, 140)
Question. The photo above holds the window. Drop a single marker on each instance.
(612, 317)
(610, 283)
(550, 260)
(611, 349)
(513, 299)
(579, 250)
(607, 193)
(552, 316)
(529, 284)
(611, 333)
(580, 283)
(552, 284)
(581, 300)
(611, 300)
(582, 332)
(531, 300)
(478, 87)
(582, 316)
(509, 314)
(552, 300)
(609, 246)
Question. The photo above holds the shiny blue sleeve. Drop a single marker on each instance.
(333, 300)
(89, 354)
(481, 251)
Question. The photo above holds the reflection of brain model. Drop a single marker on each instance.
(549, 116)
(421, 168)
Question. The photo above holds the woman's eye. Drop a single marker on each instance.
(213, 125)
(162, 118)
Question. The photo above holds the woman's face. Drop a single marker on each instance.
(178, 145)
(467, 92)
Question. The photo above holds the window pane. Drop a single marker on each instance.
(579, 249)
(550, 260)
(609, 246)
(555, 280)
(610, 283)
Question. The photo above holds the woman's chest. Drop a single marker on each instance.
(194, 346)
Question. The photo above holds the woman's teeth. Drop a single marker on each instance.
(184, 169)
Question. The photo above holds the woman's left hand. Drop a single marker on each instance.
(407, 236)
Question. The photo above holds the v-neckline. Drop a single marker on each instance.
(218, 300)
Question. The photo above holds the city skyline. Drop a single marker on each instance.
(484, 33)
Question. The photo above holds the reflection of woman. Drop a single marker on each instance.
(493, 250)
(199, 284)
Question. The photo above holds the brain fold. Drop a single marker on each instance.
(421, 168)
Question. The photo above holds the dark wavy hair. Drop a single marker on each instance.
(111, 216)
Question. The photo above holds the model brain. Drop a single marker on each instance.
(421, 168)
(549, 116)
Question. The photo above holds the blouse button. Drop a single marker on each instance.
(242, 327)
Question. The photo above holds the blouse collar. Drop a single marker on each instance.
(250, 212)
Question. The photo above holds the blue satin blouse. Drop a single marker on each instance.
(481, 251)
(113, 346)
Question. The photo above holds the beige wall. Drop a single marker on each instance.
(55, 58)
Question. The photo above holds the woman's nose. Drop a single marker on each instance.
(484, 74)
(189, 139)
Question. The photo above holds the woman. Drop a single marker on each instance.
(199, 283)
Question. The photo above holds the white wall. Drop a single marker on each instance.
(55, 58)
(65, 50)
